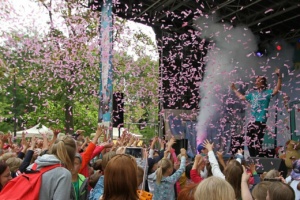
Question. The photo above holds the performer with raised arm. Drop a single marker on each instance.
(259, 100)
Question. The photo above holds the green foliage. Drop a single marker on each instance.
(86, 117)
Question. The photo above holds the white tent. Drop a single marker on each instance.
(36, 130)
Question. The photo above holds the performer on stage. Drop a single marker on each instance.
(259, 100)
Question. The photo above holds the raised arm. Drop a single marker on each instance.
(28, 156)
(246, 194)
(215, 168)
(174, 177)
(55, 134)
(151, 151)
(278, 86)
(221, 159)
(195, 176)
(237, 93)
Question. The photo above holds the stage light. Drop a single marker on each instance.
(299, 40)
(278, 47)
(259, 54)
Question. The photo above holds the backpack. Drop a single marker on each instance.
(26, 186)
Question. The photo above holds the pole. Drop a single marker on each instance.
(15, 105)
(276, 121)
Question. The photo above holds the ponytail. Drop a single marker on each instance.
(65, 150)
(158, 175)
(164, 166)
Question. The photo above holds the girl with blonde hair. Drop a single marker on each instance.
(214, 188)
(164, 186)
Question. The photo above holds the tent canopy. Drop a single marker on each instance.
(36, 131)
(116, 134)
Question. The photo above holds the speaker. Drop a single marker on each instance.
(183, 143)
(118, 109)
(267, 164)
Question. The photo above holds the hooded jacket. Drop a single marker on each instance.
(83, 188)
(57, 182)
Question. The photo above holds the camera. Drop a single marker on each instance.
(136, 152)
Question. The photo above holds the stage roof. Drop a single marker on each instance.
(267, 18)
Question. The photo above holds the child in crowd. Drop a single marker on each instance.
(214, 188)
(79, 182)
(164, 186)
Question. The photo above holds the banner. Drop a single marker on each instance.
(106, 44)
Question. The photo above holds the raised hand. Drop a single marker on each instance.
(171, 142)
(277, 71)
(100, 131)
(56, 132)
(155, 139)
(245, 175)
(9, 136)
(24, 143)
(80, 131)
(240, 151)
(220, 154)
(33, 143)
(209, 146)
(232, 86)
(44, 134)
(183, 152)
(107, 144)
(166, 153)
(87, 139)
(252, 167)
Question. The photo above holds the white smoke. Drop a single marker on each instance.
(231, 58)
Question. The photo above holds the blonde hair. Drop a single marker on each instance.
(140, 175)
(14, 163)
(259, 192)
(7, 155)
(165, 164)
(281, 191)
(214, 188)
(107, 158)
(65, 150)
(273, 173)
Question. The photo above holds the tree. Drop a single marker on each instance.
(58, 72)
(138, 79)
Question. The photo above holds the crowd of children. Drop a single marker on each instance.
(77, 168)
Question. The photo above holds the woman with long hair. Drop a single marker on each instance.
(233, 174)
(122, 182)
(57, 182)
